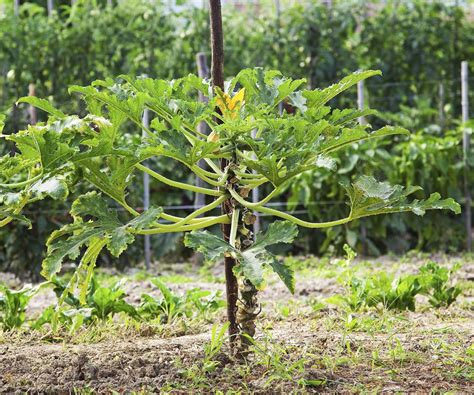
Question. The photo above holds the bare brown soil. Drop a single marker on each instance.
(404, 352)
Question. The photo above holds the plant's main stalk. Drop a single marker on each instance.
(217, 74)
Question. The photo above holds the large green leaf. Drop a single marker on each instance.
(253, 260)
(210, 245)
(319, 97)
(351, 136)
(46, 158)
(371, 197)
(93, 220)
(42, 104)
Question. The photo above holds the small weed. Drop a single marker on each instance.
(13, 305)
(385, 291)
(277, 361)
(435, 282)
(171, 306)
(212, 348)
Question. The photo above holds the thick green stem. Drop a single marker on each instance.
(209, 174)
(247, 175)
(186, 134)
(271, 195)
(289, 217)
(205, 223)
(177, 184)
(198, 171)
(175, 218)
(197, 213)
(17, 211)
(234, 225)
(22, 183)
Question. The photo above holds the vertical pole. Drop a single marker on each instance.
(109, 3)
(146, 195)
(328, 3)
(16, 7)
(278, 34)
(361, 101)
(14, 116)
(217, 74)
(441, 98)
(256, 197)
(50, 8)
(203, 72)
(33, 119)
(217, 44)
(278, 9)
(466, 145)
(362, 121)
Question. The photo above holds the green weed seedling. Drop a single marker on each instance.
(392, 294)
(276, 359)
(435, 282)
(212, 348)
(13, 305)
(70, 318)
(383, 290)
(166, 308)
(170, 306)
(204, 302)
(108, 301)
(98, 303)
(284, 309)
(316, 304)
(198, 372)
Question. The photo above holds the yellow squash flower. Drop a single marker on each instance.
(230, 106)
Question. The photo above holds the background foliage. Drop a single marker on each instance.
(416, 45)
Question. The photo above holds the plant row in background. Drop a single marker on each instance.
(416, 46)
(162, 43)
(140, 37)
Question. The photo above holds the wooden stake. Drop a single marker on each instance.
(16, 7)
(217, 44)
(203, 72)
(146, 195)
(217, 74)
(466, 142)
(50, 8)
(33, 118)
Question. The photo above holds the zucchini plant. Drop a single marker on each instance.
(257, 143)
